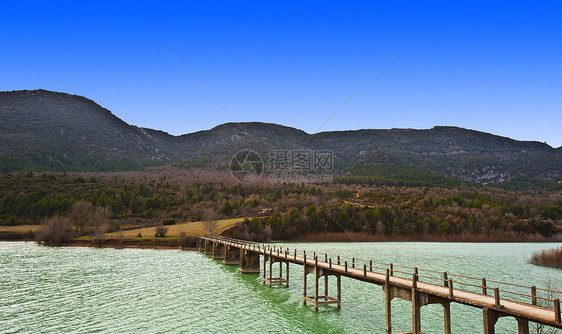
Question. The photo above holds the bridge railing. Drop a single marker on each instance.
(532, 295)
(221, 238)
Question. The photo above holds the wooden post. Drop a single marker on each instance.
(387, 303)
(391, 269)
(270, 267)
(326, 285)
(371, 265)
(557, 310)
(338, 278)
(497, 296)
(345, 266)
(490, 318)
(352, 262)
(338, 260)
(287, 273)
(304, 284)
(330, 263)
(534, 295)
(447, 316)
(522, 326)
(445, 279)
(316, 279)
(264, 272)
(451, 288)
(416, 317)
(484, 289)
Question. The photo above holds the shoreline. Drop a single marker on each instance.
(173, 243)
(458, 238)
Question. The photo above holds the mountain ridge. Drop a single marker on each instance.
(44, 130)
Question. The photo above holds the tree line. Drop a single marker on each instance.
(285, 210)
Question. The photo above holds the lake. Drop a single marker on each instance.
(74, 289)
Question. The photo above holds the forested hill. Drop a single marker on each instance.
(50, 131)
(43, 130)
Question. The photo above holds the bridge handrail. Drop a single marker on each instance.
(368, 266)
(431, 277)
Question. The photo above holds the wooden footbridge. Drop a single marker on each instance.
(420, 286)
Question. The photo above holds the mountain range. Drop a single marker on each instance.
(50, 131)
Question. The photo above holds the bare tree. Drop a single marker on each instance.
(160, 231)
(87, 219)
(551, 286)
(100, 223)
(54, 231)
(210, 223)
(80, 216)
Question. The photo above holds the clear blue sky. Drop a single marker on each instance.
(484, 65)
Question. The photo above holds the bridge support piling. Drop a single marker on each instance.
(418, 300)
(387, 303)
(249, 262)
(522, 326)
(491, 316)
(416, 312)
(231, 256)
(490, 319)
(268, 277)
(447, 316)
(208, 247)
(318, 299)
(218, 251)
(247, 256)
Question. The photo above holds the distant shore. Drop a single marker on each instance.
(366, 237)
(173, 242)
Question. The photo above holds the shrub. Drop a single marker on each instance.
(161, 231)
(186, 241)
(54, 231)
(116, 226)
(548, 257)
(169, 221)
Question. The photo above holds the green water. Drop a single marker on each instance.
(85, 290)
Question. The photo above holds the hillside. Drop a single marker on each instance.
(49, 131)
(42, 130)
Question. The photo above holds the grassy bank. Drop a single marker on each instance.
(27, 232)
(189, 228)
(186, 243)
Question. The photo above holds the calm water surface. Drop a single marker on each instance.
(85, 290)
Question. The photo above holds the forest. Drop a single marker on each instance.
(282, 211)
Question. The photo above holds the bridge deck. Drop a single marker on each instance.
(527, 311)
